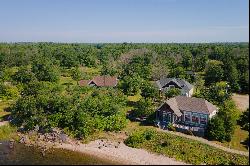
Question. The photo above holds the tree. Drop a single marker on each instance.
(76, 73)
(187, 59)
(231, 73)
(213, 72)
(8, 92)
(24, 75)
(177, 72)
(200, 62)
(144, 107)
(149, 91)
(172, 92)
(222, 126)
(216, 129)
(244, 120)
(44, 70)
(131, 84)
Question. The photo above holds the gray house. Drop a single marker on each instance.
(186, 113)
(165, 84)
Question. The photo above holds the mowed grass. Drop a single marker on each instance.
(183, 149)
(237, 139)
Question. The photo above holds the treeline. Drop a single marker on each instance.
(221, 62)
(31, 74)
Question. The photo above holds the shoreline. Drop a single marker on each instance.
(121, 153)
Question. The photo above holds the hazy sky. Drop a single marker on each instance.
(124, 20)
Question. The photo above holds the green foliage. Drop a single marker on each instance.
(171, 127)
(244, 120)
(8, 92)
(7, 132)
(45, 70)
(213, 72)
(76, 73)
(184, 149)
(217, 93)
(131, 84)
(177, 72)
(139, 137)
(172, 92)
(149, 91)
(24, 75)
(144, 107)
(216, 129)
(187, 60)
(222, 126)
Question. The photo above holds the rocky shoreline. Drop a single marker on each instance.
(104, 149)
(44, 141)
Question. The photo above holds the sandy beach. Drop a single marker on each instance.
(121, 153)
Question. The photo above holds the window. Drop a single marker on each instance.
(187, 117)
(203, 119)
(195, 118)
(171, 86)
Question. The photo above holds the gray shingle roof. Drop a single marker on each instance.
(194, 104)
(180, 82)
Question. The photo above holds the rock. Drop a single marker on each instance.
(116, 146)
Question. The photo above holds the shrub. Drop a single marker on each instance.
(149, 134)
(135, 139)
(171, 127)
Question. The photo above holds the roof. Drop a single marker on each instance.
(180, 82)
(192, 104)
(109, 81)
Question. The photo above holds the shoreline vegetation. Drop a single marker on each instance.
(143, 147)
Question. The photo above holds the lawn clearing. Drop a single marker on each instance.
(135, 98)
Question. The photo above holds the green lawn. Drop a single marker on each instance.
(64, 80)
(135, 98)
(91, 71)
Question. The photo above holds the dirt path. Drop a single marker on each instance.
(242, 101)
(206, 142)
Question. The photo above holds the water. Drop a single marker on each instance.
(22, 155)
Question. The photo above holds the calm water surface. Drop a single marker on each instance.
(22, 154)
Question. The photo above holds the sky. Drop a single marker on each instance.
(146, 21)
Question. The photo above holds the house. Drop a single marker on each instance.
(186, 113)
(100, 81)
(165, 84)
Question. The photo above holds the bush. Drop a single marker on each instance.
(171, 127)
(135, 139)
(149, 134)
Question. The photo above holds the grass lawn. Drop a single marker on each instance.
(239, 136)
(135, 98)
(64, 80)
(90, 71)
